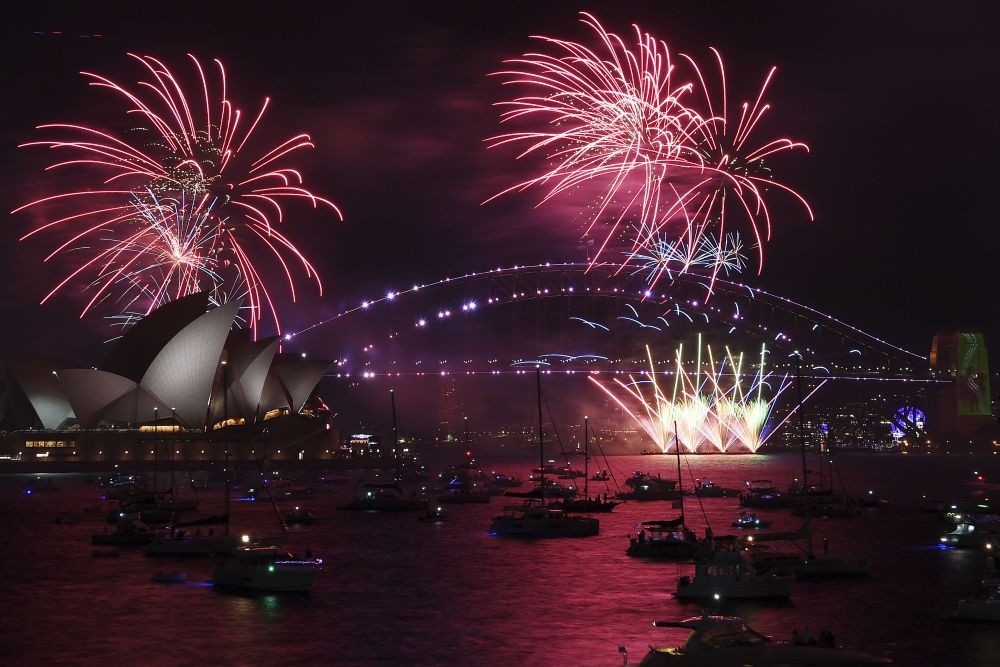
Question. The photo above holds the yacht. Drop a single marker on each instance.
(667, 540)
(535, 519)
(436, 515)
(727, 575)
(385, 497)
(762, 494)
(727, 641)
(706, 488)
(803, 562)
(750, 520)
(301, 517)
(602, 476)
(595, 505)
(505, 481)
(645, 486)
(965, 535)
(465, 483)
(267, 569)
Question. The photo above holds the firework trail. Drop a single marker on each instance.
(708, 412)
(613, 116)
(198, 149)
(671, 160)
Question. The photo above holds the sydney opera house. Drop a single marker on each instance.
(182, 380)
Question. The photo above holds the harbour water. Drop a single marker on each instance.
(399, 591)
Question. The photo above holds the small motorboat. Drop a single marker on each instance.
(965, 536)
(706, 488)
(872, 499)
(301, 517)
(728, 640)
(436, 515)
(751, 521)
(170, 577)
(267, 569)
(603, 476)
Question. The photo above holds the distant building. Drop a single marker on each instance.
(962, 412)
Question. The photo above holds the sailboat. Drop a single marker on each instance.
(587, 504)
(534, 518)
(667, 539)
(806, 563)
(462, 485)
(387, 496)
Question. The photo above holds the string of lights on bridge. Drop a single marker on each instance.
(471, 306)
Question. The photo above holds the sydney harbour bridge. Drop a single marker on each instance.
(580, 321)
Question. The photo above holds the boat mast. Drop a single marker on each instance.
(680, 483)
(225, 418)
(586, 459)
(805, 471)
(541, 442)
(395, 435)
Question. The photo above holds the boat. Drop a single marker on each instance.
(388, 496)
(986, 605)
(328, 479)
(385, 497)
(965, 536)
(127, 532)
(436, 515)
(646, 487)
(602, 476)
(505, 481)
(670, 539)
(872, 499)
(706, 488)
(647, 452)
(552, 489)
(301, 517)
(727, 641)
(587, 505)
(727, 575)
(750, 520)
(267, 569)
(534, 518)
(180, 542)
(762, 494)
(803, 562)
(465, 483)
(664, 539)
(567, 472)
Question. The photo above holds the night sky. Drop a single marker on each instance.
(898, 103)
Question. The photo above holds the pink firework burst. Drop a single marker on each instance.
(199, 148)
(670, 161)
(611, 118)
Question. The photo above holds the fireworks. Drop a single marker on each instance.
(183, 194)
(667, 163)
(707, 411)
(669, 257)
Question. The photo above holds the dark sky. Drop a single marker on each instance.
(898, 102)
